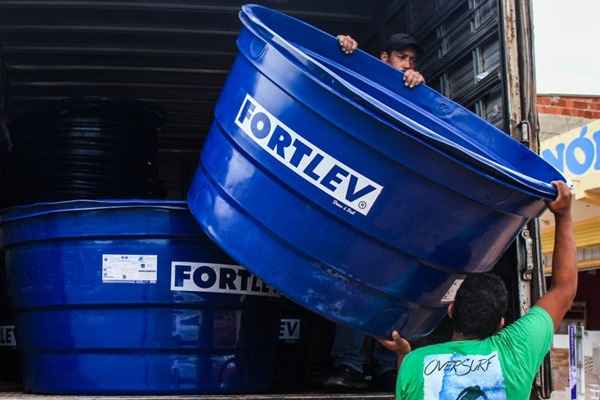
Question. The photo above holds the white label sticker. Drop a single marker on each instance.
(217, 278)
(7, 336)
(289, 329)
(129, 268)
(451, 293)
(315, 166)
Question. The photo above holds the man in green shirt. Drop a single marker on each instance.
(486, 360)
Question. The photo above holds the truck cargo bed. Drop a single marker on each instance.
(298, 396)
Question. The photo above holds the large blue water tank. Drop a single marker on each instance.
(9, 367)
(353, 195)
(130, 297)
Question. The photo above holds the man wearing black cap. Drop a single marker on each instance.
(400, 52)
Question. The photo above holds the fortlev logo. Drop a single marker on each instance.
(217, 278)
(314, 165)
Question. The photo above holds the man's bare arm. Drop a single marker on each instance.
(558, 300)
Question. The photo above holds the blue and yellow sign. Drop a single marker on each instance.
(577, 155)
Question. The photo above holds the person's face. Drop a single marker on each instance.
(402, 60)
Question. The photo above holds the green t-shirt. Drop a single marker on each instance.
(500, 367)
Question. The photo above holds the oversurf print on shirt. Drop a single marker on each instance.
(460, 377)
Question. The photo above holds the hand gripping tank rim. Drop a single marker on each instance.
(250, 20)
(515, 186)
(495, 175)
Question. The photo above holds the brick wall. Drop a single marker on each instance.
(560, 114)
(573, 106)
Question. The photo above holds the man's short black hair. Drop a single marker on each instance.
(401, 41)
(479, 306)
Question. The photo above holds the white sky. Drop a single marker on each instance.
(567, 46)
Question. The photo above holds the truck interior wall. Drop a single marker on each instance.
(177, 55)
(174, 54)
(461, 49)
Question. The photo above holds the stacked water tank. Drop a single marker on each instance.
(114, 290)
(9, 367)
(85, 148)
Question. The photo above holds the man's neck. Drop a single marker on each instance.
(460, 336)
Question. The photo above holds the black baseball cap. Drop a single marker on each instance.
(400, 41)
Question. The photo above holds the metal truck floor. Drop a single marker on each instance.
(302, 396)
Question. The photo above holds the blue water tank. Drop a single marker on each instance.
(353, 195)
(9, 367)
(130, 297)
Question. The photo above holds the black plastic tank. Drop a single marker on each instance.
(85, 148)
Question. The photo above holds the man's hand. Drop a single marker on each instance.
(561, 206)
(413, 78)
(398, 344)
(347, 43)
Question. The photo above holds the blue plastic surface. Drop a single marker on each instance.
(9, 366)
(86, 330)
(353, 195)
